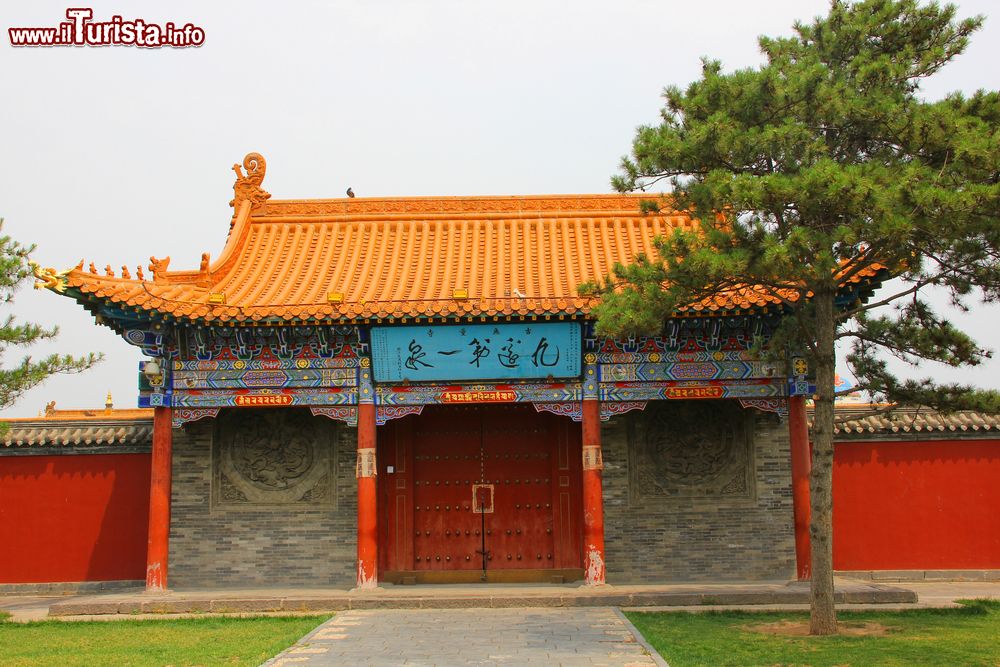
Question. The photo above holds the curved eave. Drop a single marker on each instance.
(862, 286)
(114, 299)
(117, 313)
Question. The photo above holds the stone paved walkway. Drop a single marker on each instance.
(527, 636)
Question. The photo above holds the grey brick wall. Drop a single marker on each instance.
(676, 539)
(671, 539)
(258, 546)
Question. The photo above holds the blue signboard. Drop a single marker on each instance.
(476, 352)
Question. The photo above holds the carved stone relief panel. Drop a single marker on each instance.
(272, 457)
(691, 449)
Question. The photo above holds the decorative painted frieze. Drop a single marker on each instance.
(329, 366)
(246, 398)
(542, 392)
(675, 390)
(680, 370)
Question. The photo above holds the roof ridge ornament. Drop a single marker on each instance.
(204, 273)
(48, 277)
(247, 187)
(158, 267)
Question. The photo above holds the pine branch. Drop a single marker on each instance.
(14, 271)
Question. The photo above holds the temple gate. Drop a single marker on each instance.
(475, 492)
(448, 341)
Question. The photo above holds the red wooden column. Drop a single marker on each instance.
(366, 474)
(593, 495)
(594, 569)
(798, 436)
(157, 546)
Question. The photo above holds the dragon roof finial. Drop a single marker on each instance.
(158, 267)
(247, 187)
(48, 277)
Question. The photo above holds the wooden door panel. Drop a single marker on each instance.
(446, 466)
(518, 449)
(527, 457)
(396, 495)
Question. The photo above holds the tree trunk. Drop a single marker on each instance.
(823, 616)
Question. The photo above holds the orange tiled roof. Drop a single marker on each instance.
(97, 414)
(858, 421)
(382, 258)
(100, 426)
(364, 259)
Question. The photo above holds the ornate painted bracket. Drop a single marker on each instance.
(574, 409)
(150, 342)
(384, 413)
(779, 406)
(181, 416)
(344, 413)
(609, 410)
(571, 409)
(349, 413)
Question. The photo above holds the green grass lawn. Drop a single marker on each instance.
(182, 641)
(969, 635)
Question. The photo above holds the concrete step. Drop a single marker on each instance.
(188, 603)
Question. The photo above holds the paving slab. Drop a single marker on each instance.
(482, 636)
(28, 607)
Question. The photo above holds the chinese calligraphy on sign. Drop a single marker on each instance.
(476, 352)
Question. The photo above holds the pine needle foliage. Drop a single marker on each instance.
(821, 166)
(27, 372)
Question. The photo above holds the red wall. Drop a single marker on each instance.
(73, 517)
(916, 505)
(897, 506)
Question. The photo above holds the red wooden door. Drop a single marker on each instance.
(446, 467)
(519, 466)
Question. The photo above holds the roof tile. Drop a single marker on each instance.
(67, 428)
(861, 420)
(399, 258)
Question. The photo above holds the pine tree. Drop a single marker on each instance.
(15, 269)
(816, 168)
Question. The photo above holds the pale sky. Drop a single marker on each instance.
(114, 154)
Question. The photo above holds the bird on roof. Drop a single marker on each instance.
(350, 193)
